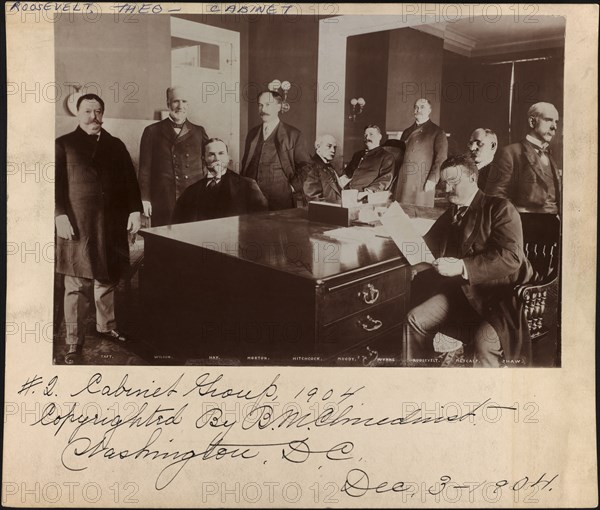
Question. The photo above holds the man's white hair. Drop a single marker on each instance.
(319, 139)
(535, 110)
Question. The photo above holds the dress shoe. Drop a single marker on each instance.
(73, 356)
(113, 334)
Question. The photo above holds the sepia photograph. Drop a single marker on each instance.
(221, 201)
(244, 240)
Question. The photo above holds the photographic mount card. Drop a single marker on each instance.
(128, 432)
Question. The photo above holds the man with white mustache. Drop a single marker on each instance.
(170, 158)
(221, 193)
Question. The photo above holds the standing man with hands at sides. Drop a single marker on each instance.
(426, 150)
(170, 158)
(221, 193)
(478, 243)
(276, 156)
(97, 202)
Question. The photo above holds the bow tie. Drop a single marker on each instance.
(458, 213)
(177, 126)
(541, 150)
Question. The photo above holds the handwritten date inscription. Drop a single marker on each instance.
(188, 420)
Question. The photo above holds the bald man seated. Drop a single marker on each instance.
(322, 181)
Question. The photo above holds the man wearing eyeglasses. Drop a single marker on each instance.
(478, 243)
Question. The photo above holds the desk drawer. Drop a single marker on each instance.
(363, 326)
(346, 299)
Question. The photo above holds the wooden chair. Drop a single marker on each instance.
(540, 296)
(541, 235)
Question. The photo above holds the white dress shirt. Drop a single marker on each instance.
(542, 146)
(269, 127)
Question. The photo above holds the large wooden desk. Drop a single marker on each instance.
(271, 288)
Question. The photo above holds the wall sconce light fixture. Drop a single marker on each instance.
(357, 107)
(281, 87)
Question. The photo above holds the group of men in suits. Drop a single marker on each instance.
(184, 176)
(177, 156)
(409, 168)
(478, 243)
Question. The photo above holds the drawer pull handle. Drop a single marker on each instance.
(369, 295)
(370, 324)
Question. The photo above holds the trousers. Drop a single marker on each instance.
(450, 310)
(78, 303)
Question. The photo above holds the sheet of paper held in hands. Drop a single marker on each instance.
(227, 436)
(406, 236)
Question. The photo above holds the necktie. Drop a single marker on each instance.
(211, 183)
(458, 214)
(543, 154)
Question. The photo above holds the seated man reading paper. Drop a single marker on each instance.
(478, 245)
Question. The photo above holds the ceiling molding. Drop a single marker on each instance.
(436, 30)
(471, 47)
(453, 40)
(459, 43)
(509, 47)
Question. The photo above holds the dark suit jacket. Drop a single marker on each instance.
(97, 189)
(168, 165)
(235, 195)
(492, 250)
(483, 175)
(426, 150)
(516, 175)
(321, 182)
(291, 150)
(373, 170)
